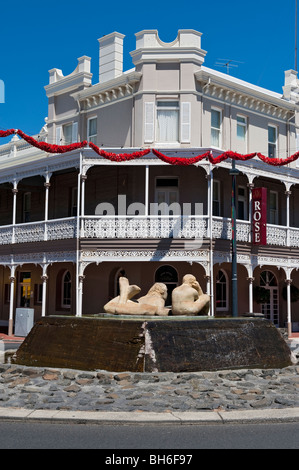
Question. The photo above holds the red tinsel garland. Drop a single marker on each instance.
(232, 155)
(7, 133)
(180, 161)
(118, 157)
(278, 161)
(122, 157)
(51, 148)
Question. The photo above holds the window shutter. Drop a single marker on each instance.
(58, 135)
(149, 122)
(185, 122)
(297, 142)
(75, 132)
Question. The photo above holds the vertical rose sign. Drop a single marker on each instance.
(259, 216)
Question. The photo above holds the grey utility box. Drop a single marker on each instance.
(24, 321)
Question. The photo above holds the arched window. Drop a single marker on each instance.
(66, 290)
(169, 276)
(270, 309)
(268, 279)
(221, 291)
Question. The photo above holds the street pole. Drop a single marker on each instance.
(234, 172)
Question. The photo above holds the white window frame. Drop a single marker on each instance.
(219, 130)
(64, 140)
(149, 122)
(226, 306)
(275, 193)
(60, 133)
(92, 137)
(168, 108)
(242, 125)
(274, 144)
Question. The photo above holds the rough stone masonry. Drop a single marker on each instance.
(68, 389)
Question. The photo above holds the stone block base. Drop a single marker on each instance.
(154, 344)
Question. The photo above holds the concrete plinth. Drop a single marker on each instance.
(154, 344)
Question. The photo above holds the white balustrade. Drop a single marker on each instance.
(61, 229)
(30, 232)
(57, 229)
(222, 228)
(142, 227)
(131, 227)
(6, 235)
(277, 235)
(294, 237)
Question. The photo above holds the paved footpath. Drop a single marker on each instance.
(101, 396)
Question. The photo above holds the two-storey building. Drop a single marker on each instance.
(72, 223)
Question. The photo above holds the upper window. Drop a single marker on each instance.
(216, 197)
(216, 128)
(167, 192)
(242, 203)
(273, 204)
(272, 142)
(92, 130)
(67, 134)
(241, 128)
(26, 207)
(73, 201)
(168, 121)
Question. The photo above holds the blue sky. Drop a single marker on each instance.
(36, 37)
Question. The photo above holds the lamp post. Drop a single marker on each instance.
(234, 172)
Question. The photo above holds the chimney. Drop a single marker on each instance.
(111, 56)
(291, 85)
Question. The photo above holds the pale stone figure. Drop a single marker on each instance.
(153, 303)
(188, 298)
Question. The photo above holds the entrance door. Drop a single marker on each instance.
(270, 309)
(24, 289)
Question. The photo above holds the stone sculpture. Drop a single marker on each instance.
(153, 303)
(189, 299)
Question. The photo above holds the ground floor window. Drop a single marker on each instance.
(66, 290)
(24, 289)
(271, 308)
(169, 276)
(221, 291)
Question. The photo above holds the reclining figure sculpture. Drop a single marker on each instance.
(153, 303)
(187, 299)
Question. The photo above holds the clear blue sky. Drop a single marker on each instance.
(37, 36)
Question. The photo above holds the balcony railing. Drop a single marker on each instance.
(145, 227)
(142, 227)
(56, 229)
